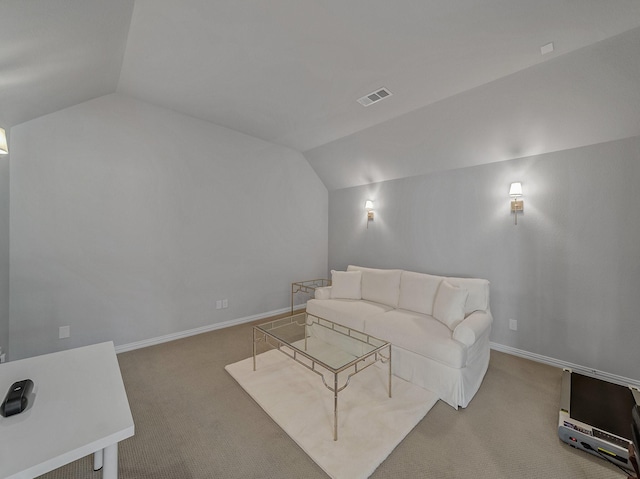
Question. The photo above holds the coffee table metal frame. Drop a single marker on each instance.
(264, 333)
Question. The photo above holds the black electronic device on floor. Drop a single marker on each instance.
(596, 416)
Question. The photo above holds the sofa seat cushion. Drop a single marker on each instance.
(347, 312)
(418, 333)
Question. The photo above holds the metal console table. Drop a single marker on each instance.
(308, 286)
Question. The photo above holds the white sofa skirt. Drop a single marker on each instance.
(456, 387)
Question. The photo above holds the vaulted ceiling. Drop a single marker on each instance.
(286, 71)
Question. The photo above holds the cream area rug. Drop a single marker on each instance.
(370, 424)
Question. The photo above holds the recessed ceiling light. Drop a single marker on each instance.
(374, 97)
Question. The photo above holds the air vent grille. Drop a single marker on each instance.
(374, 97)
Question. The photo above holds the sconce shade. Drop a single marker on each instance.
(3, 142)
(368, 205)
(515, 190)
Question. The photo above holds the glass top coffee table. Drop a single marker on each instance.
(326, 348)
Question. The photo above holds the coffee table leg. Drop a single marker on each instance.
(389, 370)
(335, 407)
(110, 469)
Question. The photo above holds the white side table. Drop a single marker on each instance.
(80, 408)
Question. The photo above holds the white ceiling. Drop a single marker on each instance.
(589, 96)
(287, 71)
(57, 53)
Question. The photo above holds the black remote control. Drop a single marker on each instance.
(16, 400)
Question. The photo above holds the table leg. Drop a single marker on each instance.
(335, 407)
(389, 370)
(110, 470)
(97, 460)
(254, 348)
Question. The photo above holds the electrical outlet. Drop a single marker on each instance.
(546, 49)
(64, 332)
(513, 325)
(225, 304)
(219, 304)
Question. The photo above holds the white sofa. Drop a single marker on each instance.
(438, 326)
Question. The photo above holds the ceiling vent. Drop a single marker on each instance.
(374, 97)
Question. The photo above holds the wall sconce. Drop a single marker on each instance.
(515, 192)
(368, 205)
(3, 142)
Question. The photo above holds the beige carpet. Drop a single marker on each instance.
(370, 424)
(193, 421)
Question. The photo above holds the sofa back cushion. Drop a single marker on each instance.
(380, 285)
(418, 292)
(346, 284)
(478, 299)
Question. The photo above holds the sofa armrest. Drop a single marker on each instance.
(474, 326)
(323, 293)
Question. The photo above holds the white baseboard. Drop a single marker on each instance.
(204, 329)
(566, 365)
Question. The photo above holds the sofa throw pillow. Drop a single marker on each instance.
(478, 299)
(448, 307)
(346, 284)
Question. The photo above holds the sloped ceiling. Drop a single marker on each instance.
(589, 96)
(57, 53)
(287, 71)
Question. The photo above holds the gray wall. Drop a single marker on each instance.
(129, 221)
(569, 272)
(4, 252)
